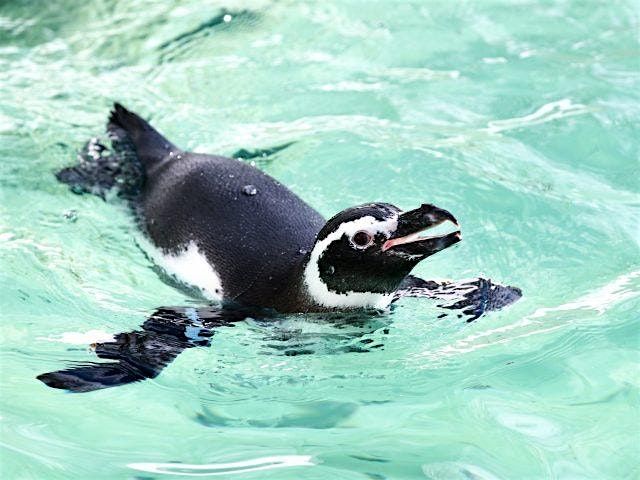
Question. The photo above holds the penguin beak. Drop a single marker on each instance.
(407, 239)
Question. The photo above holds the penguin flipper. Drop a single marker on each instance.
(132, 130)
(142, 354)
(472, 297)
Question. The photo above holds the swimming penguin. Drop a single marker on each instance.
(246, 241)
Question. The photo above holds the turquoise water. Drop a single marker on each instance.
(521, 118)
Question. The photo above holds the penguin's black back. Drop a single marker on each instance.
(253, 230)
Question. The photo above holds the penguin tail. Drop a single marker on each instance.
(118, 163)
(131, 132)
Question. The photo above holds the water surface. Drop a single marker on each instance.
(519, 117)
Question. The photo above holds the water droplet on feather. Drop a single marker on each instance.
(249, 190)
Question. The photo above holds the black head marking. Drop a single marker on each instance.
(370, 249)
(379, 211)
(348, 268)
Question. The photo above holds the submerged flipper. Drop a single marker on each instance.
(142, 354)
(472, 298)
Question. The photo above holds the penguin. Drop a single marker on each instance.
(244, 241)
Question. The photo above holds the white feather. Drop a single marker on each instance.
(189, 266)
(329, 298)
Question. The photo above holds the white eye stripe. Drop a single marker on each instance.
(368, 224)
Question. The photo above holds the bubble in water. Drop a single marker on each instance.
(249, 190)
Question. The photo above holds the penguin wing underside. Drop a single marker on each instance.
(142, 354)
(472, 298)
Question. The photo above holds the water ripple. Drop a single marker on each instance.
(523, 120)
(620, 289)
(546, 113)
(232, 468)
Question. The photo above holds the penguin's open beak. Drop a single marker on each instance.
(407, 238)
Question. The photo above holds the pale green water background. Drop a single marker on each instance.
(522, 118)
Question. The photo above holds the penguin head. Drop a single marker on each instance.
(363, 253)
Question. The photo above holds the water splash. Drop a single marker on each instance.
(79, 338)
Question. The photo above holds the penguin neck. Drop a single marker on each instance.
(315, 295)
(293, 296)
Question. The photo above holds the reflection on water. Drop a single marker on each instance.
(213, 469)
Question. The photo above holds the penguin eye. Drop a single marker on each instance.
(362, 239)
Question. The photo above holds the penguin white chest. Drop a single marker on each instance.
(189, 266)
